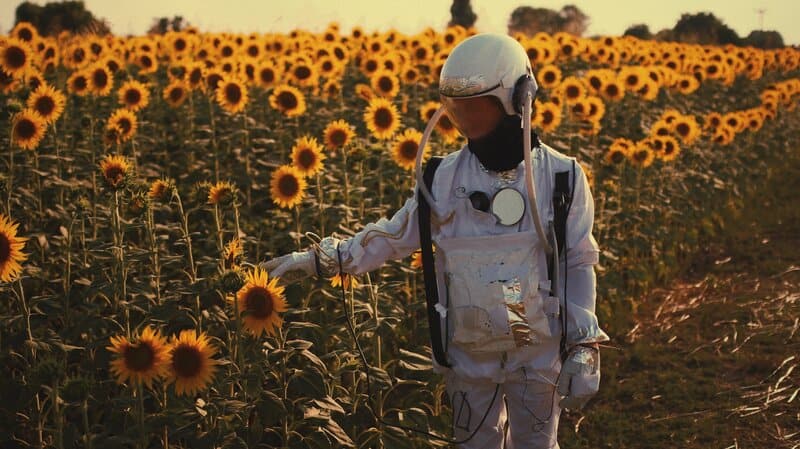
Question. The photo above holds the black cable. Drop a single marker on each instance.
(366, 371)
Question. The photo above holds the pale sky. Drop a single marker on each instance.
(411, 16)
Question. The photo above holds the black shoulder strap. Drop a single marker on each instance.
(562, 201)
(428, 269)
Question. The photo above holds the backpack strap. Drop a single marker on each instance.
(428, 268)
(562, 201)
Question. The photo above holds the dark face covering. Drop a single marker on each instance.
(501, 149)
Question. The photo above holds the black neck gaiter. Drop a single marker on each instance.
(501, 149)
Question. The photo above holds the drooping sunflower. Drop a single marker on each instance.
(382, 118)
(16, 57)
(287, 186)
(385, 83)
(260, 301)
(11, 255)
(406, 145)
(161, 190)
(307, 156)
(288, 100)
(233, 252)
(124, 122)
(28, 129)
(116, 170)
(338, 134)
(101, 81)
(221, 193)
(141, 362)
(134, 95)
(78, 83)
(176, 93)
(232, 95)
(48, 102)
(191, 363)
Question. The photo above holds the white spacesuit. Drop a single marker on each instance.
(502, 317)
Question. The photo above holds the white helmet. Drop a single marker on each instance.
(489, 64)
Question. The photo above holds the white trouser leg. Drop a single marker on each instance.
(533, 414)
(469, 401)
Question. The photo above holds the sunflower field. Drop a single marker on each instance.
(143, 178)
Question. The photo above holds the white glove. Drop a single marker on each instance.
(579, 379)
(303, 261)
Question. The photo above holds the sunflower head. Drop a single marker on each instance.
(233, 253)
(287, 186)
(288, 100)
(382, 118)
(405, 148)
(124, 122)
(222, 193)
(191, 366)
(11, 245)
(134, 95)
(28, 128)
(338, 134)
(349, 281)
(116, 171)
(47, 102)
(232, 94)
(307, 156)
(16, 56)
(141, 362)
(385, 83)
(161, 190)
(260, 301)
(176, 93)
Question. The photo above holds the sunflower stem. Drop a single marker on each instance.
(142, 433)
(346, 186)
(217, 223)
(192, 269)
(154, 254)
(10, 183)
(214, 138)
(87, 438)
(378, 359)
(321, 204)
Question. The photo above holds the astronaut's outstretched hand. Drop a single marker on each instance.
(299, 264)
(579, 379)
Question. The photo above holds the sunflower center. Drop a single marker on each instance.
(683, 129)
(45, 105)
(595, 82)
(195, 76)
(259, 303)
(125, 125)
(132, 96)
(632, 80)
(445, 123)
(186, 361)
(640, 155)
(385, 84)
(15, 57)
(267, 75)
(383, 118)
(612, 90)
(338, 137)
(139, 357)
(287, 100)
(25, 129)
(100, 78)
(617, 157)
(302, 72)
(550, 77)
(233, 93)
(547, 117)
(573, 91)
(213, 80)
(288, 186)
(408, 150)
(669, 148)
(80, 83)
(533, 54)
(176, 94)
(25, 34)
(180, 44)
(307, 158)
(114, 174)
(5, 248)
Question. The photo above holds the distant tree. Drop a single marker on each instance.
(764, 39)
(162, 25)
(529, 20)
(461, 14)
(640, 31)
(54, 18)
(704, 28)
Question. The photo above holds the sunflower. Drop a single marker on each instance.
(176, 92)
(27, 129)
(221, 193)
(687, 84)
(11, 255)
(416, 259)
(233, 252)
(124, 122)
(385, 83)
(140, 362)
(713, 120)
(669, 148)
(447, 129)
(332, 89)
(232, 95)
(723, 135)
(161, 189)
(338, 134)
(191, 365)
(641, 155)
(25, 31)
(349, 281)
(100, 80)
(16, 56)
(549, 76)
(573, 89)
(134, 95)
(267, 74)
(304, 74)
(48, 102)
(404, 150)
(618, 151)
(288, 100)
(212, 78)
(194, 75)
(612, 89)
(147, 62)
(116, 170)
(260, 302)
(547, 117)
(8, 84)
(307, 156)
(686, 128)
(632, 77)
(287, 186)
(382, 118)
(78, 83)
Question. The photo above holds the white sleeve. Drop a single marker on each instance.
(582, 253)
(381, 241)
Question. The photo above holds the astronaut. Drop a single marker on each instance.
(521, 339)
